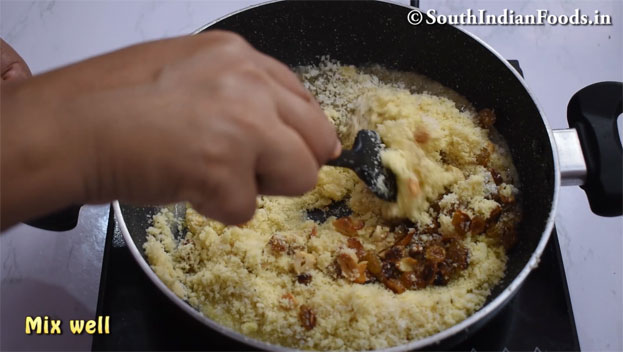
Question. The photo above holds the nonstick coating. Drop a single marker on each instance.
(363, 33)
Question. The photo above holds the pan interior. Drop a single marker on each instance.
(365, 33)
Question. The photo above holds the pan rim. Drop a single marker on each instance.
(465, 324)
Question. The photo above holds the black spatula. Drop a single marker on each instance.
(365, 160)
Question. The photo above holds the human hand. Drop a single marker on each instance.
(12, 66)
(205, 118)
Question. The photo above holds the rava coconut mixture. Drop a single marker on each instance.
(382, 274)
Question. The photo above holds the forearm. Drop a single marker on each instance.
(40, 157)
(207, 119)
(54, 133)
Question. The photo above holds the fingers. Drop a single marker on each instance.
(305, 117)
(303, 114)
(285, 166)
(251, 104)
(284, 162)
(309, 121)
(283, 75)
(226, 195)
(12, 66)
(296, 140)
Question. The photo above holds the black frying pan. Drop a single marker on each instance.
(371, 32)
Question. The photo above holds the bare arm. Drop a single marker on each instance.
(206, 119)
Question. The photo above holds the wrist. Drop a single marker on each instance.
(41, 158)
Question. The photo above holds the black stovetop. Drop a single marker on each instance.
(538, 317)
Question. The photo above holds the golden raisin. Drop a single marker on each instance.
(458, 255)
(407, 264)
(421, 136)
(347, 226)
(347, 262)
(374, 263)
(478, 225)
(461, 222)
(443, 274)
(394, 253)
(486, 118)
(497, 178)
(278, 244)
(357, 246)
(304, 278)
(394, 285)
(483, 157)
(495, 214)
(289, 300)
(510, 199)
(432, 228)
(303, 262)
(350, 268)
(361, 269)
(406, 239)
(314, 231)
(425, 276)
(408, 279)
(509, 238)
(307, 317)
(435, 253)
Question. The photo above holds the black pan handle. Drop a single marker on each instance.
(593, 112)
(61, 220)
